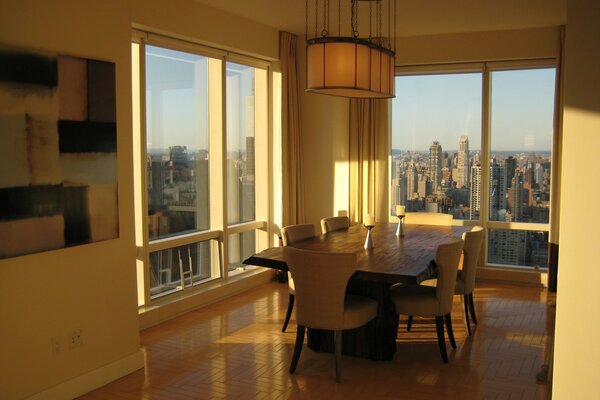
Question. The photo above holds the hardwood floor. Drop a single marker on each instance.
(235, 350)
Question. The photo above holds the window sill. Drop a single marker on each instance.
(169, 307)
(520, 276)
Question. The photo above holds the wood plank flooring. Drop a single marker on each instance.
(235, 350)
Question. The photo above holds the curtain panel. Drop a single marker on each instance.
(291, 133)
(369, 159)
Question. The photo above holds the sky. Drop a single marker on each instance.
(445, 107)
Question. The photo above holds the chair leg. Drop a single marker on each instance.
(439, 324)
(472, 308)
(338, 355)
(466, 314)
(297, 348)
(289, 312)
(409, 323)
(448, 320)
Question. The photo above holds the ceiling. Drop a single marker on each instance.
(417, 17)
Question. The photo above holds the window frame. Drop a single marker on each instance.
(219, 230)
(486, 69)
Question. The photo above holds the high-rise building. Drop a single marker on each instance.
(435, 166)
(462, 167)
(412, 180)
(511, 165)
(423, 186)
(539, 175)
(507, 247)
(250, 159)
(497, 191)
(516, 196)
(475, 192)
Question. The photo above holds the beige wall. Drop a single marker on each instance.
(190, 20)
(92, 287)
(478, 46)
(578, 300)
(89, 287)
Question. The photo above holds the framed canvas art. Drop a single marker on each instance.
(58, 152)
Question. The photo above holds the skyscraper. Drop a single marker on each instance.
(511, 165)
(412, 180)
(497, 191)
(475, 192)
(462, 180)
(516, 196)
(435, 165)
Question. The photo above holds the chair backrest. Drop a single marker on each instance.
(295, 233)
(447, 259)
(428, 218)
(330, 224)
(321, 279)
(471, 250)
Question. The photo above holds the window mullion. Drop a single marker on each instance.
(484, 210)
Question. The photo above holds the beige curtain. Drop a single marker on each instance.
(291, 134)
(369, 153)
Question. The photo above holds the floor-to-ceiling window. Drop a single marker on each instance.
(475, 141)
(436, 138)
(201, 118)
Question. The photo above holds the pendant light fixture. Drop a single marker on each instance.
(360, 64)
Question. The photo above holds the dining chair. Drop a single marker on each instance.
(428, 301)
(465, 280)
(331, 224)
(289, 235)
(321, 279)
(428, 218)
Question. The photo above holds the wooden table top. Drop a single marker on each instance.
(392, 259)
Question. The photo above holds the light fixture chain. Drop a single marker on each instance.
(306, 20)
(339, 17)
(370, 20)
(316, 17)
(389, 35)
(354, 17)
(380, 38)
(325, 30)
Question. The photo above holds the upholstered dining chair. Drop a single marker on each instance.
(331, 224)
(289, 235)
(465, 280)
(427, 301)
(321, 279)
(428, 218)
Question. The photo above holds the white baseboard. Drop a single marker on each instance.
(94, 379)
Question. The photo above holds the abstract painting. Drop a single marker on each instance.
(58, 152)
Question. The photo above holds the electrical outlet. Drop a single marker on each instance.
(75, 338)
(56, 344)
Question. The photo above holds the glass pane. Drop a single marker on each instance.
(522, 118)
(523, 248)
(240, 143)
(177, 142)
(436, 143)
(193, 262)
(240, 246)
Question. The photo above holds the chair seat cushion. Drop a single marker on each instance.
(415, 300)
(459, 287)
(358, 310)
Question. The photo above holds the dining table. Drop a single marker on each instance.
(391, 260)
